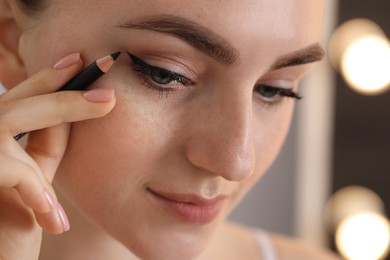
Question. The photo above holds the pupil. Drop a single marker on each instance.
(267, 92)
(161, 77)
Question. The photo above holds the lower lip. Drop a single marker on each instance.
(188, 212)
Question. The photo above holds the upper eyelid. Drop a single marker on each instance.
(151, 70)
(170, 73)
(138, 61)
(152, 67)
(280, 84)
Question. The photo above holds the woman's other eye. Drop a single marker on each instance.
(158, 78)
(271, 94)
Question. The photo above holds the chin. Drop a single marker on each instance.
(169, 243)
(170, 254)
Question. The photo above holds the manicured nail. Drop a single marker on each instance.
(99, 95)
(49, 200)
(64, 218)
(67, 61)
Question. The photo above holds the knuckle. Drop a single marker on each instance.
(61, 99)
(64, 102)
(44, 78)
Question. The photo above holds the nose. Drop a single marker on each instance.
(221, 140)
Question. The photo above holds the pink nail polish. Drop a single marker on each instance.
(64, 218)
(49, 199)
(67, 61)
(99, 95)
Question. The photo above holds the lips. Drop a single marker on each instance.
(189, 208)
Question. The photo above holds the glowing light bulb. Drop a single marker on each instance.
(363, 236)
(366, 64)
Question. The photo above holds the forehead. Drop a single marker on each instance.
(260, 26)
(271, 17)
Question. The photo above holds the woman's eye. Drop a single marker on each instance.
(162, 77)
(267, 91)
(158, 78)
(273, 94)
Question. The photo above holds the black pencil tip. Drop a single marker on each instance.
(115, 55)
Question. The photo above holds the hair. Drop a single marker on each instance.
(32, 6)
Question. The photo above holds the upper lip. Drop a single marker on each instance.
(188, 198)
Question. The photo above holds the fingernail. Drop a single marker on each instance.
(67, 61)
(99, 95)
(64, 218)
(49, 200)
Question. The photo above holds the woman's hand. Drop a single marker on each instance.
(27, 199)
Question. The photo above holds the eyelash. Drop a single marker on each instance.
(276, 92)
(148, 74)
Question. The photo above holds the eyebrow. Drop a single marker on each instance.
(194, 34)
(310, 54)
(212, 44)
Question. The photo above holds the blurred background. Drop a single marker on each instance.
(331, 184)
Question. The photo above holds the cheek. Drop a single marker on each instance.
(40, 46)
(108, 159)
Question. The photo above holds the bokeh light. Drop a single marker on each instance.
(349, 201)
(360, 50)
(365, 65)
(363, 236)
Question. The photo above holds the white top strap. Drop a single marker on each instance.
(265, 244)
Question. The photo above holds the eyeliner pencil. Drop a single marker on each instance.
(86, 77)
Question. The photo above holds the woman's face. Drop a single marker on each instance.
(180, 149)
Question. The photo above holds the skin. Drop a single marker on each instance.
(214, 138)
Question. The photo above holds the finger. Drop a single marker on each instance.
(46, 81)
(21, 176)
(13, 150)
(48, 110)
(55, 222)
(47, 147)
